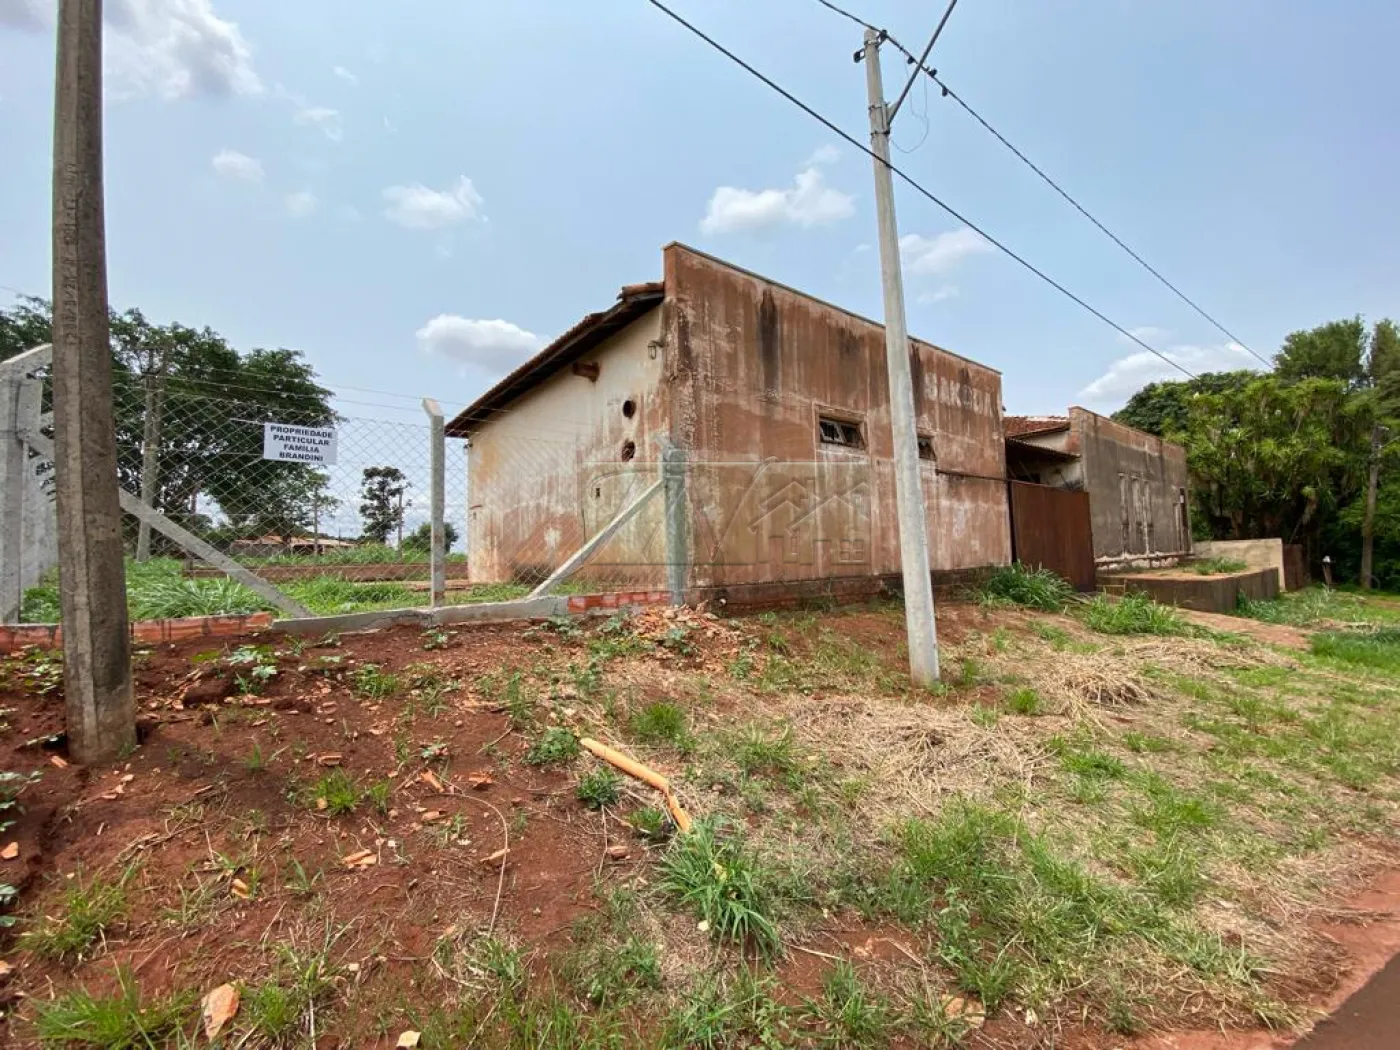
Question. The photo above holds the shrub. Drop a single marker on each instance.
(1036, 588)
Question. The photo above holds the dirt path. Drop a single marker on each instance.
(1273, 633)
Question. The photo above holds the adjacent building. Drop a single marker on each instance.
(1136, 482)
(772, 408)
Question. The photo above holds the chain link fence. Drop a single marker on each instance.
(329, 504)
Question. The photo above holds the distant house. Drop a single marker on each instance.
(778, 403)
(1136, 482)
(269, 546)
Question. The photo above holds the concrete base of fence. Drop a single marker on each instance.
(143, 632)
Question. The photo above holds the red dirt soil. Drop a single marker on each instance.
(209, 797)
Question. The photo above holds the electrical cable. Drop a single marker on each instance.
(836, 129)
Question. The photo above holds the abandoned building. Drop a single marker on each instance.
(1135, 483)
(771, 407)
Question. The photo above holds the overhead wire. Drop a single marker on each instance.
(917, 187)
(932, 74)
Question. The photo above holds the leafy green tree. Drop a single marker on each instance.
(1161, 408)
(421, 538)
(381, 492)
(1336, 350)
(210, 401)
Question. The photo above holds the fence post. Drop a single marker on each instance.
(673, 467)
(437, 456)
(13, 458)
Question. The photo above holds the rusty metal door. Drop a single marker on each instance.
(1051, 528)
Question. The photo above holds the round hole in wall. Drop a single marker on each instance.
(629, 408)
(629, 449)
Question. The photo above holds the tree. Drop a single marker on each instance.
(381, 494)
(421, 538)
(1161, 408)
(211, 405)
(1336, 350)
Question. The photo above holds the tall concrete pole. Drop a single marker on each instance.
(909, 496)
(92, 578)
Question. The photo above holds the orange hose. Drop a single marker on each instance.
(633, 768)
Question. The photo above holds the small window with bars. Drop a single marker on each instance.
(839, 432)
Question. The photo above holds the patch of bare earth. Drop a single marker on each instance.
(232, 855)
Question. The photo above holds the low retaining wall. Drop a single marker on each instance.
(144, 632)
(1217, 594)
(1257, 554)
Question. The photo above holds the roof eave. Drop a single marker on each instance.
(632, 302)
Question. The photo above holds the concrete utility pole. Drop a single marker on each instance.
(92, 578)
(913, 528)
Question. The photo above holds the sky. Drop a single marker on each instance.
(418, 195)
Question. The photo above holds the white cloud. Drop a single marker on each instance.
(940, 294)
(826, 154)
(237, 165)
(417, 207)
(345, 74)
(940, 254)
(322, 117)
(301, 204)
(494, 346)
(808, 202)
(1129, 374)
(175, 49)
(32, 15)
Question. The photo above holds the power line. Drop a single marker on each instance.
(932, 74)
(846, 14)
(919, 65)
(830, 126)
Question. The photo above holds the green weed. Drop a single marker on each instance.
(1036, 588)
(661, 723)
(123, 1021)
(1132, 614)
(555, 746)
(600, 788)
(373, 683)
(87, 909)
(714, 875)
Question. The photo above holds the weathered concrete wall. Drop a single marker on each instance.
(553, 468)
(751, 367)
(1257, 554)
(1217, 594)
(1137, 484)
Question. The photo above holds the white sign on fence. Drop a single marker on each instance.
(292, 444)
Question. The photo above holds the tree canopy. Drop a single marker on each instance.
(1286, 453)
(209, 401)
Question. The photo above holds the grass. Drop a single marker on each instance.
(335, 794)
(1314, 606)
(87, 909)
(1131, 614)
(1218, 566)
(712, 873)
(660, 723)
(374, 683)
(847, 1013)
(1373, 650)
(123, 1021)
(1035, 588)
(1024, 701)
